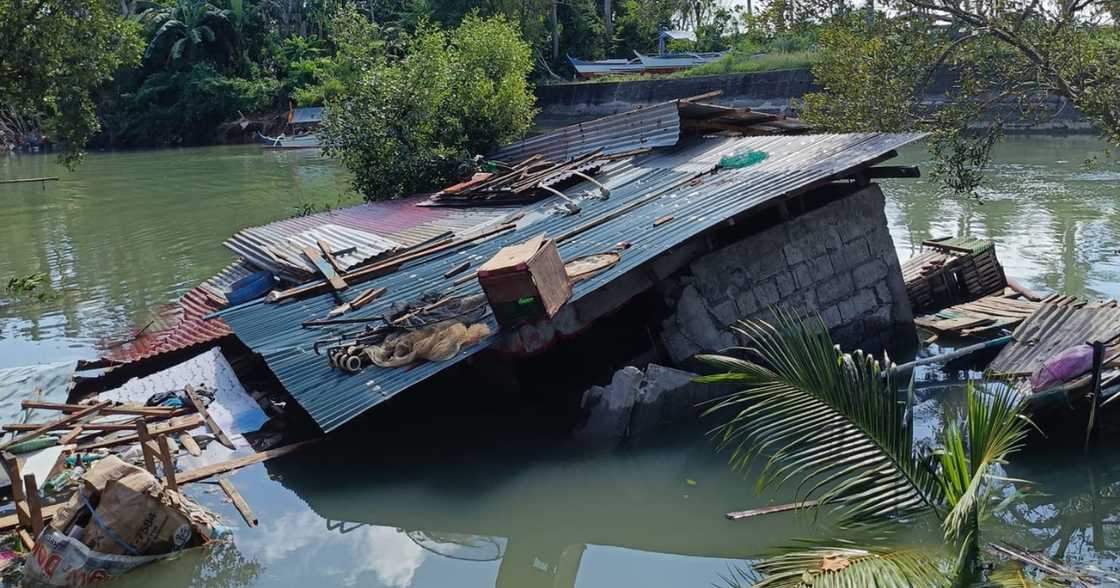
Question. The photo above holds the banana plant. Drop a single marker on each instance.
(832, 424)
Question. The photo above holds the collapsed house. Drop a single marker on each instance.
(719, 213)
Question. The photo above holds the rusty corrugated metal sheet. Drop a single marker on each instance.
(279, 250)
(682, 183)
(179, 325)
(1060, 323)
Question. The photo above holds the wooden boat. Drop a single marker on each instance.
(305, 141)
(677, 61)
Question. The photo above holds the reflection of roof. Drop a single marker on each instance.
(685, 182)
(310, 114)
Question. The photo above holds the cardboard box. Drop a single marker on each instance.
(525, 282)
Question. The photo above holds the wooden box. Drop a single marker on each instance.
(525, 282)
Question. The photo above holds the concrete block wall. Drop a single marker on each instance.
(837, 260)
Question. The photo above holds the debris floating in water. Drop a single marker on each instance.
(740, 160)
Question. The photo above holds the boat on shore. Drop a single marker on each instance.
(677, 61)
(605, 67)
(305, 141)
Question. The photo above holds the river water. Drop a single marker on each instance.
(492, 505)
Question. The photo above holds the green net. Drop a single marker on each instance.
(740, 160)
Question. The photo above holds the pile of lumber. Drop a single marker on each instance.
(951, 270)
(982, 317)
(528, 181)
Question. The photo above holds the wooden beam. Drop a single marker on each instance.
(34, 504)
(87, 426)
(168, 464)
(145, 438)
(69, 437)
(26, 180)
(188, 442)
(236, 464)
(63, 422)
(209, 420)
(754, 512)
(239, 502)
(191, 422)
(325, 268)
(120, 410)
(326, 249)
(9, 522)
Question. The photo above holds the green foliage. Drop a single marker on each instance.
(639, 24)
(182, 107)
(582, 29)
(34, 286)
(737, 62)
(54, 54)
(832, 424)
(181, 32)
(407, 123)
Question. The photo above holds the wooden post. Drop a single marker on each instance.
(144, 437)
(11, 466)
(35, 506)
(210, 423)
(168, 464)
(1092, 431)
(239, 502)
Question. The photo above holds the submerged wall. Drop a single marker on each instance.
(837, 260)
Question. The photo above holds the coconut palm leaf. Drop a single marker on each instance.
(827, 420)
(852, 568)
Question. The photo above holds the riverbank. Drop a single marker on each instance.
(777, 92)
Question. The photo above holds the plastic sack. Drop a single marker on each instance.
(1063, 367)
(59, 560)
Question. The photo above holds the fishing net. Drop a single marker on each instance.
(741, 160)
(435, 343)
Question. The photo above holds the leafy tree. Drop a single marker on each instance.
(832, 424)
(408, 123)
(581, 32)
(182, 31)
(54, 54)
(1008, 60)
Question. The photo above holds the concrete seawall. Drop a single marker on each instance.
(773, 91)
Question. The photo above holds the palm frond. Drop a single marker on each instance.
(996, 428)
(828, 420)
(851, 568)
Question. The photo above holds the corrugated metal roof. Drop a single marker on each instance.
(180, 325)
(677, 183)
(1061, 322)
(653, 126)
(281, 251)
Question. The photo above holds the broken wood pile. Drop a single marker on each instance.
(952, 270)
(526, 182)
(84, 440)
(982, 317)
(1060, 323)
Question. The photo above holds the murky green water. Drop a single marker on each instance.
(128, 231)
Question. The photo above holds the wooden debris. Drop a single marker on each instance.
(60, 423)
(165, 458)
(236, 464)
(980, 317)
(189, 423)
(239, 502)
(69, 437)
(325, 268)
(151, 411)
(361, 300)
(210, 423)
(331, 259)
(146, 448)
(31, 491)
(952, 270)
(9, 522)
(458, 269)
(754, 512)
(662, 220)
(189, 444)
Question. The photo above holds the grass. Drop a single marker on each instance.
(734, 62)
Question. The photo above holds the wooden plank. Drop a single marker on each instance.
(192, 422)
(209, 420)
(31, 490)
(325, 268)
(662, 220)
(9, 522)
(188, 442)
(28, 541)
(326, 250)
(69, 437)
(754, 512)
(145, 446)
(107, 427)
(168, 464)
(239, 502)
(11, 466)
(26, 180)
(69, 420)
(118, 410)
(236, 464)
(462, 267)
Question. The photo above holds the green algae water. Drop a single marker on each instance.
(492, 503)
